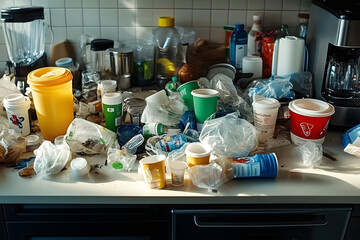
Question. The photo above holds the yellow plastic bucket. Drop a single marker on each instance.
(53, 99)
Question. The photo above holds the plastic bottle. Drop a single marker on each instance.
(303, 25)
(167, 51)
(238, 46)
(283, 31)
(254, 37)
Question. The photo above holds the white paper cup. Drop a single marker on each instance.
(177, 169)
(17, 109)
(265, 115)
(107, 86)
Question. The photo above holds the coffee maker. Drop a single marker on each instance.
(334, 50)
(24, 34)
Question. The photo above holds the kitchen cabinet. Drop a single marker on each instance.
(353, 229)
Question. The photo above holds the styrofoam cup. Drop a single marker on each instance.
(265, 115)
(309, 120)
(17, 109)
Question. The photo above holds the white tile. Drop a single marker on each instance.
(22, 2)
(272, 19)
(127, 33)
(127, 17)
(108, 3)
(91, 3)
(237, 17)
(127, 4)
(91, 17)
(290, 18)
(108, 17)
(256, 4)
(183, 17)
(3, 53)
(203, 4)
(184, 3)
(217, 35)
(57, 17)
(220, 4)
(305, 5)
(238, 4)
(43, 3)
(74, 17)
(163, 4)
(59, 34)
(219, 18)
(144, 18)
(249, 18)
(47, 17)
(92, 31)
(52, 3)
(144, 33)
(274, 4)
(162, 13)
(74, 33)
(110, 33)
(73, 3)
(144, 4)
(203, 33)
(201, 18)
(291, 5)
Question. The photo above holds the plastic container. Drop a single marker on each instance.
(53, 99)
(177, 169)
(33, 142)
(254, 37)
(112, 108)
(168, 53)
(107, 86)
(197, 154)
(303, 25)
(80, 166)
(253, 64)
(154, 129)
(126, 132)
(238, 46)
(267, 51)
(350, 136)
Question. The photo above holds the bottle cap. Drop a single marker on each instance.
(174, 79)
(166, 21)
(257, 17)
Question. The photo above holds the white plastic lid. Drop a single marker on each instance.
(266, 103)
(16, 100)
(178, 165)
(108, 84)
(112, 98)
(198, 149)
(311, 107)
(80, 166)
(204, 93)
(32, 140)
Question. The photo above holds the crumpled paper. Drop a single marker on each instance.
(353, 148)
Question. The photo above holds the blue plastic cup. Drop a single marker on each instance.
(257, 166)
(127, 131)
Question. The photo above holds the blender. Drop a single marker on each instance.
(24, 33)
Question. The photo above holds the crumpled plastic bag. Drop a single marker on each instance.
(273, 88)
(51, 158)
(12, 145)
(213, 175)
(85, 137)
(310, 153)
(229, 136)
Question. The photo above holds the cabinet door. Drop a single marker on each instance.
(2, 230)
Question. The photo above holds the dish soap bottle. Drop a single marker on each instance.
(238, 46)
(254, 37)
(167, 51)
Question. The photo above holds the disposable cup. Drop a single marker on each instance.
(257, 166)
(177, 169)
(80, 166)
(107, 86)
(159, 97)
(197, 153)
(185, 92)
(309, 120)
(112, 107)
(51, 89)
(17, 109)
(154, 171)
(265, 115)
(205, 101)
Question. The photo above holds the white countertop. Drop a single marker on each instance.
(333, 182)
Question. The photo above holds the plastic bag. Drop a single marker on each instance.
(88, 138)
(229, 136)
(310, 153)
(51, 158)
(12, 145)
(213, 175)
(273, 88)
(302, 84)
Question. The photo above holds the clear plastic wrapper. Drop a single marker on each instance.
(12, 145)
(273, 88)
(310, 153)
(50, 158)
(229, 136)
(88, 138)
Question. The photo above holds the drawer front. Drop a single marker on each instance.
(2, 231)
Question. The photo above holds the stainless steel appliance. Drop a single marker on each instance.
(334, 49)
(122, 66)
(24, 34)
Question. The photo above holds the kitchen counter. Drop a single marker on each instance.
(333, 182)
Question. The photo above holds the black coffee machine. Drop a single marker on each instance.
(334, 50)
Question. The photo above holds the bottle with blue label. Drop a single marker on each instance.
(238, 46)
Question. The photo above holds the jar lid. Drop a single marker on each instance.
(49, 76)
(22, 13)
(166, 21)
(32, 140)
(101, 44)
(64, 62)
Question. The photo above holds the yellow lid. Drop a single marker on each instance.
(166, 21)
(49, 76)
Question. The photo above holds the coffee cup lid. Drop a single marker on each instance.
(266, 103)
(112, 98)
(16, 100)
(311, 107)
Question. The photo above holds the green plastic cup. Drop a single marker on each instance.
(185, 92)
(112, 107)
(205, 101)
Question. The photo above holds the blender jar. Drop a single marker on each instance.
(24, 33)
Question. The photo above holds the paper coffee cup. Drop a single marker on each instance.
(154, 171)
(309, 120)
(112, 108)
(17, 109)
(265, 115)
(185, 92)
(205, 101)
(107, 86)
(197, 153)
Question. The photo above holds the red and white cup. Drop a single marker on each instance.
(309, 120)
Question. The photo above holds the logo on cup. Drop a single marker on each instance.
(306, 128)
(325, 128)
(17, 121)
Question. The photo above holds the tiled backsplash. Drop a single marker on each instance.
(130, 19)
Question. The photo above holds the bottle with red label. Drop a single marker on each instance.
(254, 37)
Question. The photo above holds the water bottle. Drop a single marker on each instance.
(238, 46)
(167, 51)
(254, 37)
